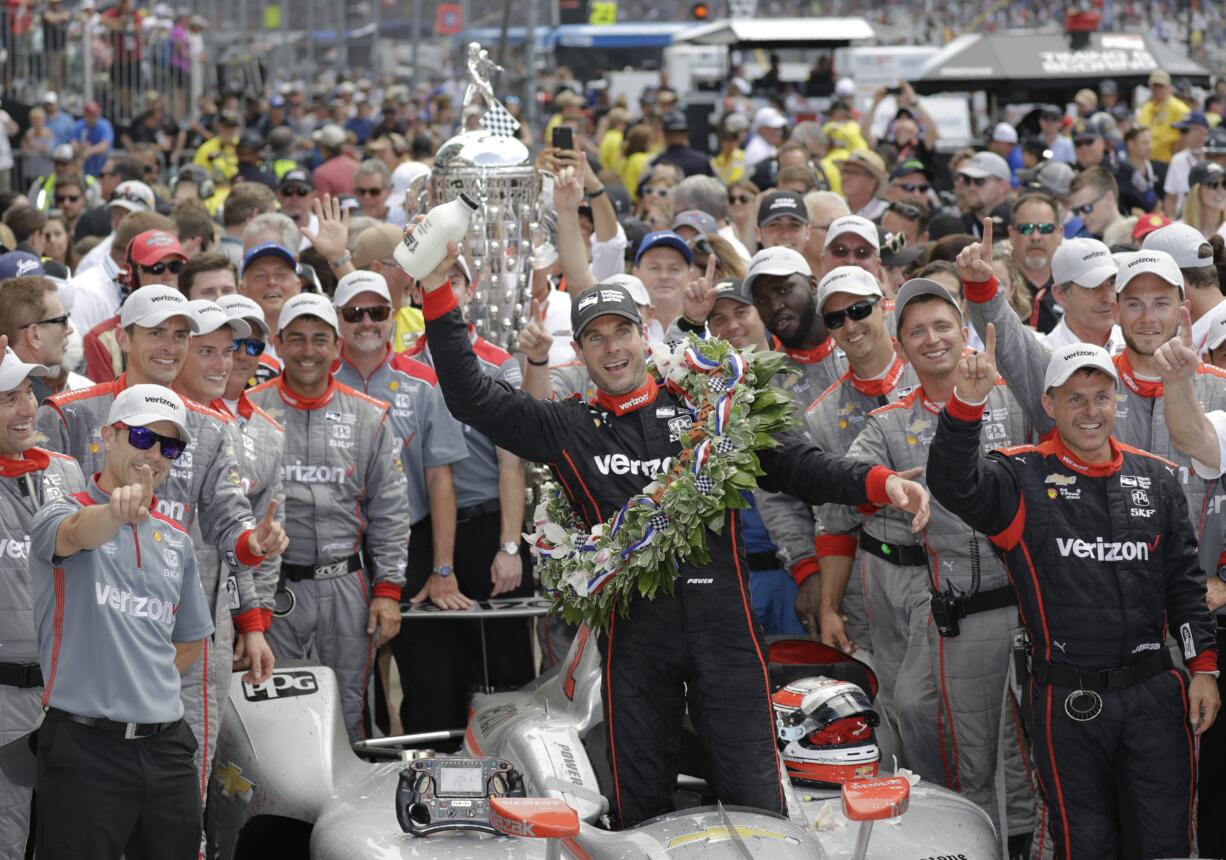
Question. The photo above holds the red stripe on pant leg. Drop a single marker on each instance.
(204, 742)
(949, 714)
(608, 674)
(1055, 776)
(733, 522)
(1183, 695)
(370, 656)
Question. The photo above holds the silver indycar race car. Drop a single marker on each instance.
(528, 783)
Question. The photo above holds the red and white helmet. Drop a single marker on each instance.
(825, 729)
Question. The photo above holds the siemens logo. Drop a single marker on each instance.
(304, 474)
(135, 605)
(620, 464)
(1101, 550)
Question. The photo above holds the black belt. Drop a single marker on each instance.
(130, 731)
(986, 601)
(901, 554)
(1100, 680)
(21, 675)
(472, 512)
(299, 572)
(763, 561)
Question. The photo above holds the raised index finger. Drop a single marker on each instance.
(1185, 326)
(986, 249)
(269, 513)
(989, 341)
(711, 261)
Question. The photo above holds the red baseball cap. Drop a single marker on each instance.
(153, 246)
(1147, 224)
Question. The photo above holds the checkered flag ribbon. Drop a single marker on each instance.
(498, 120)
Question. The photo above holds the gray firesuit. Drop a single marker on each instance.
(834, 420)
(949, 695)
(25, 486)
(204, 494)
(1139, 421)
(345, 498)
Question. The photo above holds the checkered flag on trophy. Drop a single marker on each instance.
(498, 120)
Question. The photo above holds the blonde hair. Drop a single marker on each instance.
(1194, 211)
(1017, 290)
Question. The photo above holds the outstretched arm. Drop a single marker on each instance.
(1196, 434)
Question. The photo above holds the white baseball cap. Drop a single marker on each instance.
(634, 286)
(1217, 326)
(308, 305)
(847, 279)
(862, 227)
(211, 316)
(845, 88)
(244, 308)
(1071, 358)
(917, 287)
(777, 260)
(133, 195)
(13, 371)
(1157, 263)
(985, 163)
(1183, 242)
(1085, 262)
(1004, 133)
(154, 304)
(360, 282)
(769, 117)
(142, 405)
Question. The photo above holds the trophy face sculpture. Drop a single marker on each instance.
(494, 168)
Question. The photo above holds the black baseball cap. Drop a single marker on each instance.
(297, 176)
(777, 204)
(599, 300)
(910, 165)
(675, 121)
(1205, 171)
(730, 288)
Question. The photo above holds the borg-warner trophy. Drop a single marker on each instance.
(494, 168)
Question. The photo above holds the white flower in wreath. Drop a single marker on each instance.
(600, 561)
(577, 580)
(557, 535)
(541, 514)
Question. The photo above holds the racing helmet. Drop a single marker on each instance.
(825, 729)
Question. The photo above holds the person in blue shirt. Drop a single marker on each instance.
(95, 136)
(1003, 141)
(60, 122)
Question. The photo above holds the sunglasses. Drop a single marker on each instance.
(60, 320)
(249, 345)
(963, 179)
(143, 438)
(1084, 141)
(740, 198)
(1042, 229)
(858, 311)
(378, 313)
(368, 192)
(1087, 208)
(912, 187)
(863, 252)
(297, 191)
(173, 266)
(1216, 185)
(67, 198)
(905, 210)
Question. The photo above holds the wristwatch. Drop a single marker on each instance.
(510, 548)
(346, 258)
(444, 570)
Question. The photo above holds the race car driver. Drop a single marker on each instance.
(29, 478)
(943, 680)
(1149, 289)
(345, 492)
(1102, 557)
(203, 491)
(850, 301)
(700, 641)
(429, 441)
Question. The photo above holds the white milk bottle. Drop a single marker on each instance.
(422, 250)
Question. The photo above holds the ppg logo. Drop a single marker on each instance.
(282, 685)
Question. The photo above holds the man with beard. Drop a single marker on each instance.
(1035, 234)
(984, 182)
(1084, 271)
(1148, 293)
(430, 441)
(698, 641)
(29, 478)
(942, 686)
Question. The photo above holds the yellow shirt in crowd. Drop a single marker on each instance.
(1160, 120)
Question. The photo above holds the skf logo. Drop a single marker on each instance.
(282, 685)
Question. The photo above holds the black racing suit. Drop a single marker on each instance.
(704, 638)
(1102, 558)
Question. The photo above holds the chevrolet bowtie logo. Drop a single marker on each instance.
(233, 783)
